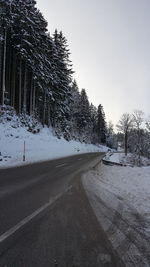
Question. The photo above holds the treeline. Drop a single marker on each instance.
(135, 135)
(36, 75)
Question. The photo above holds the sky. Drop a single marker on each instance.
(109, 41)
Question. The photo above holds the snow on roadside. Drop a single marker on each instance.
(127, 183)
(39, 147)
(120, 198)
(116, 157)
(130, 159)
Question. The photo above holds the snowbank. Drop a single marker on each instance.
(39, 147)
(130, 159)
(120, 198)
(130, 184)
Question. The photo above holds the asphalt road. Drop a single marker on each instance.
(46, 219)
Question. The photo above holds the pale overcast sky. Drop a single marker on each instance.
(110, 45)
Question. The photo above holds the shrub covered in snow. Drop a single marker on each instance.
(8, 113)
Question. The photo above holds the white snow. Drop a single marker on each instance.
(39, 147)
(130, 159)
(130, 184)
(120, 198)
(116, 157)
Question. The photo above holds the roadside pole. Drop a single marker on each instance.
(24, 151)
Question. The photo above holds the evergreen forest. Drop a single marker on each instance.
(36, 75)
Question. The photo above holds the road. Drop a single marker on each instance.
(46, 219)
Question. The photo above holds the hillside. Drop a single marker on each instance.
(40, 144)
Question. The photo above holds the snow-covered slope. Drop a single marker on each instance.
(39, 147)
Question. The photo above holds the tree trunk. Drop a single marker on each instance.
(13, 81)
(33, 104)
(37, 106)
(126, 143)
(25, 90)
(9, 67)
(20, 84)
(139, 148)
(1, 65)
(4, 67)
(48, 115)
(44, 109)
(31, 96)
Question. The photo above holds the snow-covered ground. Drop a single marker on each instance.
(120, 198)
(39, 147)
(130, 159)
(130, 184)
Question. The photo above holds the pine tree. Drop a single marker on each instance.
(84, 116)
(101, 125)
(5, 22)
(93, 115)
(63, 71)
(36, 73)
(74, 106)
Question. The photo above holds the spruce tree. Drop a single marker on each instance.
(101, 125)
(36, 73)
(63, 70)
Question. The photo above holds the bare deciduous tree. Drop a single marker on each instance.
(124, 125)
(148, 124)
(138, 118)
